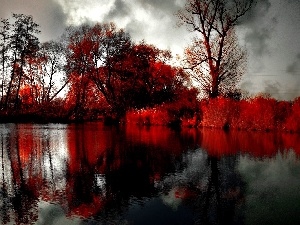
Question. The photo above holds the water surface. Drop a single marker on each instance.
(93, 174)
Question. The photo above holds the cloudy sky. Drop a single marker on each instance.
(271, 32)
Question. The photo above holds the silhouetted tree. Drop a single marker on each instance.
(147, 79)
(4, 49)
(52, 76)
(215, 59)
(23, 45)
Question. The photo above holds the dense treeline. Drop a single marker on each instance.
(104, 72)
(98, 72)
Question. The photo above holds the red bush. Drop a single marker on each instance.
(292, 123)
(154, 116)
(219, 112)
(257, 114)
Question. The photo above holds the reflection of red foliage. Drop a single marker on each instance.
(95, 149)
(87, 143)
(26, 143)
(259, 144)
(159, 136)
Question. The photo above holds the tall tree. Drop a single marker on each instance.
(24, 44)
(4, 49)
(94, 55)
(215, 58)
(150, 80)
(112, 51)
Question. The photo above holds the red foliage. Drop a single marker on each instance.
(259, 113)
(153, 116)
(218, 112)
(292, 122)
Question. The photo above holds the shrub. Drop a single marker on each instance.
(257, 114)
(292, 123)
(151, 116)
(219, 112)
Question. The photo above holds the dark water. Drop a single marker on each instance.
(92, 174)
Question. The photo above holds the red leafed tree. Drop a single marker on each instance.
(80, 63)
(150, 80)
(103, 63)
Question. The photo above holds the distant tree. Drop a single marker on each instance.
(215, 58)
(112, 50)
(94, 59)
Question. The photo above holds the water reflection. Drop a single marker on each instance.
(90, 173)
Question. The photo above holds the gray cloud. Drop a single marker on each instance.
(258, 10)
(151, 20)
(48, 14)
(259, 27)
(258, 39)
(166, 6)
(294, 67)
(270, 31)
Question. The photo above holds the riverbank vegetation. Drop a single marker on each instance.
(259, 113)
(97, 72)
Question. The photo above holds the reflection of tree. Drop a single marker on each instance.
(18, 196)
(108, 170)
(218, 203)
(4, 189)
(25, 153)
(83, 196)
(212, 197)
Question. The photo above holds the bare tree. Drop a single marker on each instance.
(215, 59)
(52, 67)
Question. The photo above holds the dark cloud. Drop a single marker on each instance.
(259, 10)
(259, 27)
(151, 20)
(119, 10)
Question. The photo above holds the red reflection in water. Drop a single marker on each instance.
(258, 144)
(129, 160)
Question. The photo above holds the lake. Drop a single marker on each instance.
(95, 174)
